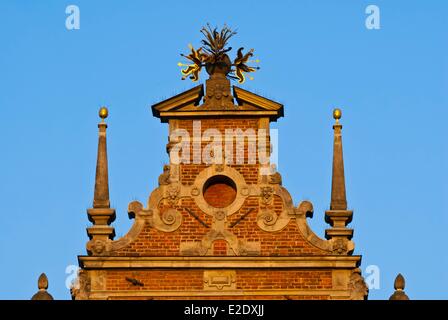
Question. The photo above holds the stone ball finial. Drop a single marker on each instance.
(399, 282)
(399, 293)
(103, 113)
(42, 284)
(337, 114)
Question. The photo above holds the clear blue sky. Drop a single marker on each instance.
(390, 83)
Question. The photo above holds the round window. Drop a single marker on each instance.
(219, 191)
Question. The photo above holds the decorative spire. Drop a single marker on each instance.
(338, 216)
(42, 284)
(101, 196)
(399, 284)
(338, 198)
(101, 215)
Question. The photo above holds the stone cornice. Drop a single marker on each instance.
(246, 97)
(318, 262)
(151, 294)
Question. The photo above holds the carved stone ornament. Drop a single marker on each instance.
(195, 191)
(218, 95)
(98, 280)
(268, 217)
(168, 220)
(220, 215)
(80, 289)
(173, 194)
(267, 193)
(341, 246)
(219, 280)
(357, 286)
(98, 247)
(245, 191)
(164, 178)
(275, 178)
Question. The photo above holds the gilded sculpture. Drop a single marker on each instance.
(213, 56)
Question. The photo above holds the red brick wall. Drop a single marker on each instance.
(287, 242)
(219, 248)
(188, 172)
(156, 280)
(283, 279)
(193, 279)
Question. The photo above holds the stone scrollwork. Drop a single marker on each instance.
(305, 209)
(270, 221)
(166, 221)
(267, 219)
(170, 216)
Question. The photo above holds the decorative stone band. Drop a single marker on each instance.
(220, 294)
(337, 262)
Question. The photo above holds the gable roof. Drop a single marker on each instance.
(187, 104)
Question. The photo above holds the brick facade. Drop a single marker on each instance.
(220, 230)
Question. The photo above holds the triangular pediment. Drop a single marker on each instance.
(188, 104)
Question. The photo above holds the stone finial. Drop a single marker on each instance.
(338, 197)
(337, 114)
(101, 215)
(338, 216)
(42, 284)
(101, 196)
(399, 293)
(103, 113)
(399, 282)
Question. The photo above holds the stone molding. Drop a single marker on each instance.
(286, 294)
(212, 262)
